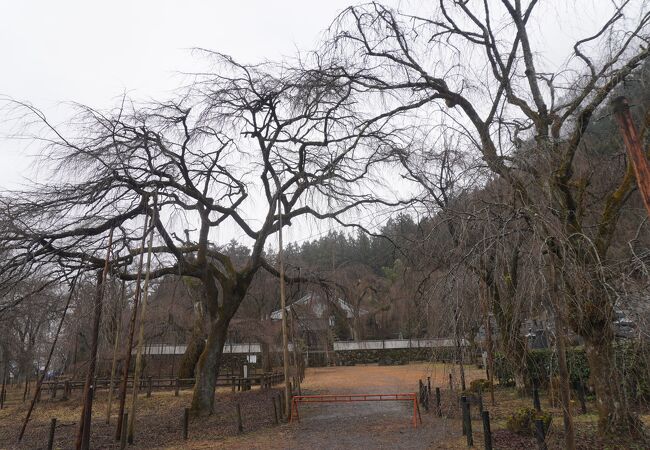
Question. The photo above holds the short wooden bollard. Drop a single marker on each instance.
(149, 386)
(582, 398)
(438, 407)
(467, 421)
(124, 432)
(186, 422)
(233, 384)
(451, 383)
(281, 403)
(487, 433)
(540, 435)
(536, 402)
(240, 427)
(50, 438)
(66, 389)
(55, 386)
(463, 400)
(275, 412)
(178, 386)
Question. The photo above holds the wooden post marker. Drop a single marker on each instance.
(149, 386)
(125, 425)
(540, 435)
(536, 402)
(582, 398)
(438, 407)
(186, 422)
(487, 434)
(275, 411)
(178, 386)
(50, 438)
(240, 427)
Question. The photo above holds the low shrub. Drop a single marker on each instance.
(523, 420)
(479, 385)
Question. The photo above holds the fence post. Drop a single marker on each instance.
(463, 400)
(125, 425)
(178, 386)
(240, 427)
(281, 403)
(480, 400)
(275, 412)
(487, 434)
(149, 386)
(467, 419)
(186, 422)
(451, 384)
(66, 389)
(581, 397)
(50, 439)
(540, 435)
(438, 408)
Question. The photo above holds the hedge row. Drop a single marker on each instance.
(632, 359)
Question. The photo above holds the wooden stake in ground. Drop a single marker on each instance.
(283, 306)
(39, 382)
(118, 331)
(569, 433)
(127, 356)
(634, 149)
(488, 338)
(143, 311)
(83, 434)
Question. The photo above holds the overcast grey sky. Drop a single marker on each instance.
(92, 52)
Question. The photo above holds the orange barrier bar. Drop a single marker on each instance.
(348, 398)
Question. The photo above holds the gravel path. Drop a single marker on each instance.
(363, 425)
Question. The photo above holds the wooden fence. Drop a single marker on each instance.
(264, 380)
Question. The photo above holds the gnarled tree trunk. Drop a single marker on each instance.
(207, 368)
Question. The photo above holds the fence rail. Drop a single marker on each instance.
(264, 380)
(397, 343)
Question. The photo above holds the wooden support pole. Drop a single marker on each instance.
(178, 386)
(39, 382)
(149, 386)
(50, 437)
(125, 421)
(137, 374)
(83, 433)
(129, 344)
(116, 341)
(438, 407)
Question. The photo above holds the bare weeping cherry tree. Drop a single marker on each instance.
(237, 142)
(477, 65)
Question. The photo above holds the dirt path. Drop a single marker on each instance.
(365, 425)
